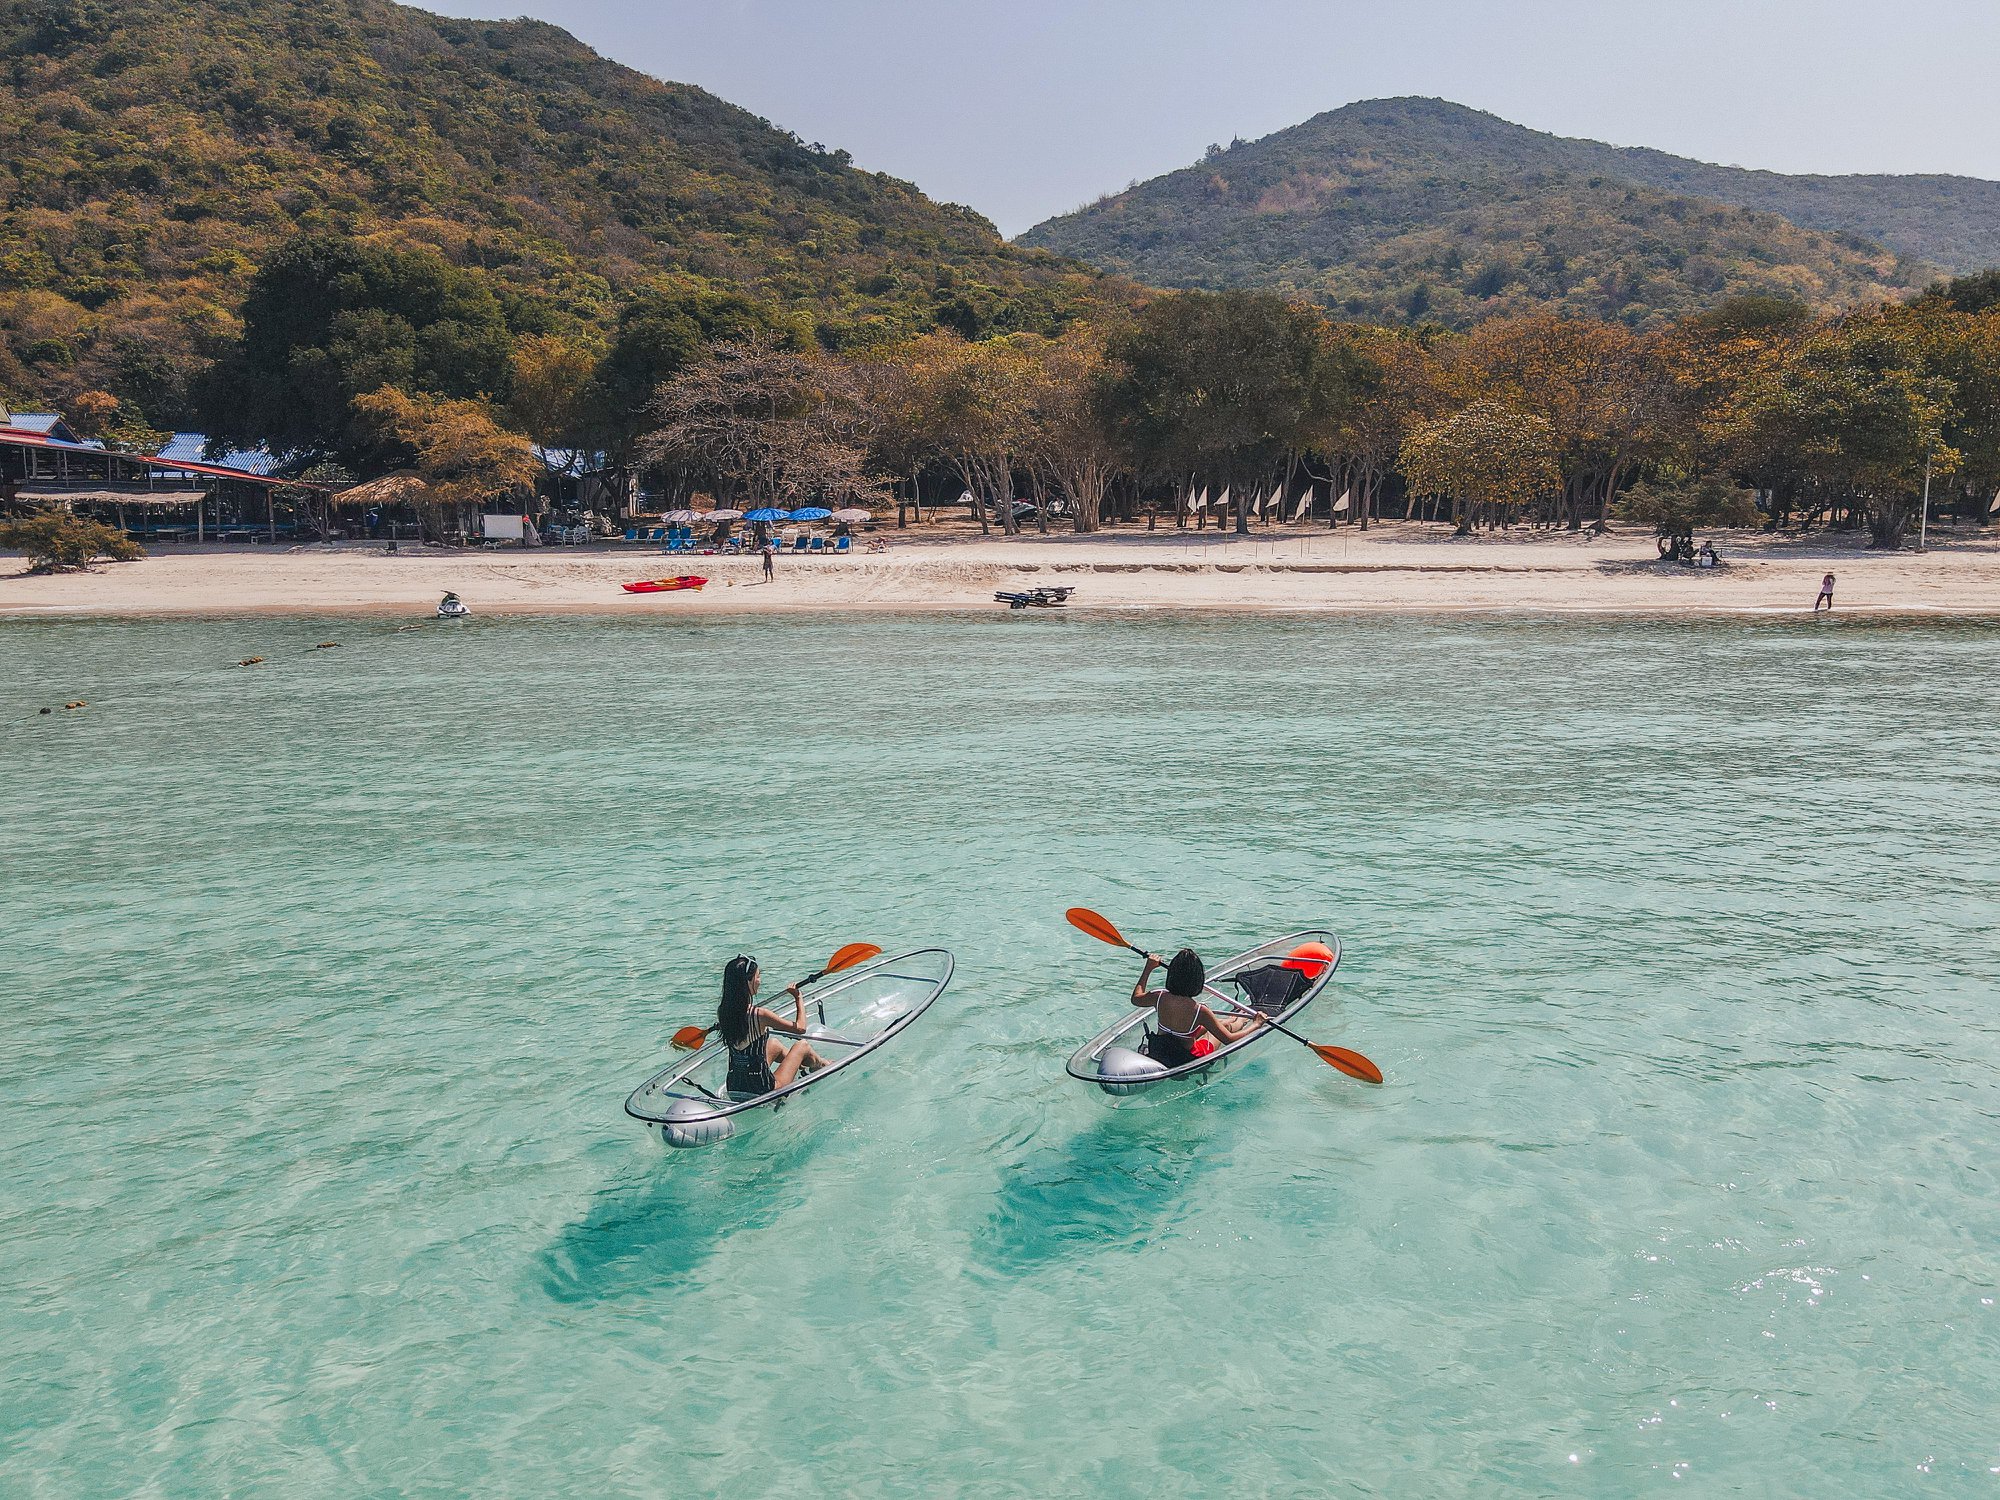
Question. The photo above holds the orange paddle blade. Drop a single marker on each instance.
(1353, 1064)
(1083, 919)
(852, 954)
(690, 1037)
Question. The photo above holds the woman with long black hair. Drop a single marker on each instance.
(758, 1062)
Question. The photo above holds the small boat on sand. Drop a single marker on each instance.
(665, 585)
(1278, 979)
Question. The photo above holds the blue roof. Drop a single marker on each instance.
(186, 446)
(189, 448)
(570, 460)
(42, 422)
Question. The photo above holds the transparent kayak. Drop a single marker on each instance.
(848, 1019)
(1259, 977)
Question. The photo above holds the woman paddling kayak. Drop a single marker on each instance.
(1180, 1016)
(758, 1062)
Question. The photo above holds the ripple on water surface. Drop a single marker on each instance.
(327, 979)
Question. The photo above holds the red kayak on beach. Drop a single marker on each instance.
(665, 585)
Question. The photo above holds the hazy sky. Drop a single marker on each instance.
(1030, 108)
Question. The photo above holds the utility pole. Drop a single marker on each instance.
(1924, 525)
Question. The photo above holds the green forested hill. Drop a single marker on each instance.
(1419, 209)
(152, 151)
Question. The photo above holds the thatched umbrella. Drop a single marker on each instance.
(404, 487)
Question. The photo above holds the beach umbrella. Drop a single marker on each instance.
(766, 514)
(718, 515)
(853, 513)
(681, 517)
(405, 486)
(811, 513)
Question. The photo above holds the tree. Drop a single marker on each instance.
(971, 406)
(1675, 510)
(550, 391)
(665, 330)
(1071, 439)
(58, 540)
(328, 319)
(1858, 416)
(463, 456)
(1381, 382)
(1595, 384)
(1225, 385)
(119, 425)
(1488, 460)
(787, 426)
(1710, 362)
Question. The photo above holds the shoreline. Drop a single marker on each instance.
(1394, 569)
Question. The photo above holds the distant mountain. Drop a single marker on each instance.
(1422, 209)
(152, 151)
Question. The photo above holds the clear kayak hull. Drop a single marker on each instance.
(1114, 1060)
(850, 1018)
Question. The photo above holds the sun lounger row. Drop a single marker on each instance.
(814, 546)
(675, 538)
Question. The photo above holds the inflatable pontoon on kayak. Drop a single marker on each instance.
(848, 1019)
(1268, 978)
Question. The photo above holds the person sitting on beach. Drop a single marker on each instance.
(1708, 558)
(1184, 1028)
(758, 1062)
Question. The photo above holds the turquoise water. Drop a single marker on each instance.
(326, 981)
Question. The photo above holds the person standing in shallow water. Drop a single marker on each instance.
(1825, 594)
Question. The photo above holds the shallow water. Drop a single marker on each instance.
(328, 978)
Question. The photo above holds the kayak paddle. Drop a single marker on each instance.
(1348, 1061)
(690, 1037)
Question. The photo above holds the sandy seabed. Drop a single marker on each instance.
(1393, 568)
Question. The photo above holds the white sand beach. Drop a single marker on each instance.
(1392, 568)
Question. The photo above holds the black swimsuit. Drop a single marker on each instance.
(750, 1068)
(1169, 1049)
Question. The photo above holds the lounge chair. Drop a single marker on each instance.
(843, 544)
(818, 544)
(800, 542)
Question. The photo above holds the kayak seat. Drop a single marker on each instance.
(1271, 988)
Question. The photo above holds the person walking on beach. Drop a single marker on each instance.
(770, 567)
(1825, 595)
